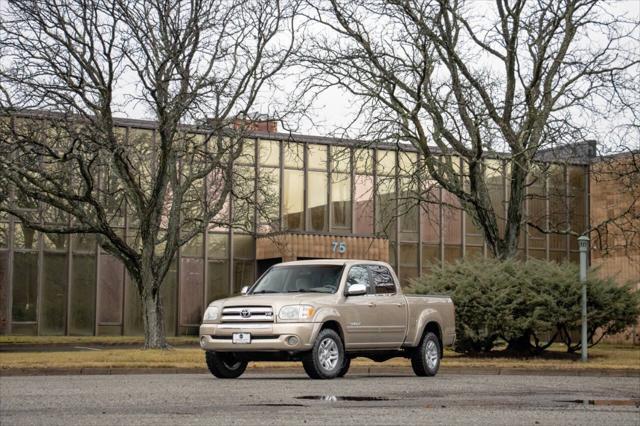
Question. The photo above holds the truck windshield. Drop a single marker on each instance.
(299, 279)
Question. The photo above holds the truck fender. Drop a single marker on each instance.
(324, 315)
(426, 316)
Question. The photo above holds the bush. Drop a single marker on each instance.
(529, 305)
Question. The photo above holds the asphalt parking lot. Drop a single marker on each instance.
(290, 398)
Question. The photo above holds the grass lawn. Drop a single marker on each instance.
(603, 356)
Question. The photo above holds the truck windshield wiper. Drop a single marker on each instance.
(302, 290)
(266, 291)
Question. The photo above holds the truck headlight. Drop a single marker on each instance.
(211, 314)
(296, 312)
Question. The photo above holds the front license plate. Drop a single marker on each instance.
(241, 338)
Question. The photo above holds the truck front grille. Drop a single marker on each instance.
(247, 314)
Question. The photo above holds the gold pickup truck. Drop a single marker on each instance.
(324, 313)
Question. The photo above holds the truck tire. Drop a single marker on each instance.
(425, 359)
(224, 365)
(326, 359)
(345, 367)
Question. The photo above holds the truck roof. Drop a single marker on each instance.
(331, 262)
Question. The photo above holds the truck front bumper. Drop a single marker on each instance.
(292, 337)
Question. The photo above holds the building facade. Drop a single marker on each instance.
(335, 198)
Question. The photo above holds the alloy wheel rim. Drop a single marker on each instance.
(431, 354)
(328, 354)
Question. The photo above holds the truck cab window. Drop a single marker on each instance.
(359, 275)
(382, 280)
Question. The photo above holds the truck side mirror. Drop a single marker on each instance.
(357, 290)
(244, 289)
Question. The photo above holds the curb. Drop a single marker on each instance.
(359, 370)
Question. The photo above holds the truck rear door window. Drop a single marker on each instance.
(382, 280)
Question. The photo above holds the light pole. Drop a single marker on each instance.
(583, 243)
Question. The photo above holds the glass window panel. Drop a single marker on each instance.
(243, 274)
(359, 274)
(248, 153)
(269, 198)
(452, 253)
(474, 252)
(382, 279)
(408, 162)
(537, 210)
(269, 153)
(54, 293)
(243, 202)
(341, 159)
(194, 247)
(557, 207)
(409, 254)
(557, 256)
(168, 292)
(217, 246)
(133, 321)
(577, 203)
(243, 246)
(110, 285)
(341, 199)
(317, 201)
(493, 171)
(473, 234)
(451, 218)
(25, 286)
(293, 155)
(364, 161)
(386, 162)
(430, 257)
(191, 291)
(83, 293)
(4, 235)
(84, 243)
(217, 280)
(408, 209)
(385, 205)
(430, 214)
(364, 204)
(317, 155)
(293, 203)
(4, 291)
(24, 238)
(407, 273)
(55, 242)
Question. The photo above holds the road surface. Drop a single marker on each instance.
(290, 398)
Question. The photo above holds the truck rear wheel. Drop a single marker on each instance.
(326, 359)
(224, 365)
(426, 357)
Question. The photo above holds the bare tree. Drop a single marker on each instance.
(193, 65)
(468, 80)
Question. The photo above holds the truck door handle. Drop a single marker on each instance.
(399, 305)
(371, 305)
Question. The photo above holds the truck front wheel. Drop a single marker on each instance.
(224, 365)
(326, 359)
(426, 357)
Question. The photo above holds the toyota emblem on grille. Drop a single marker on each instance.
(245, 313)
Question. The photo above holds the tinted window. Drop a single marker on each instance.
(359, 275)
(382, 280)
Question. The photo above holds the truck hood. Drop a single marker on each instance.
(278, 300)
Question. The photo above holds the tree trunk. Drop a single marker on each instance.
(521, 345)
(154, 334)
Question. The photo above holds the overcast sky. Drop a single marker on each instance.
(333, 109)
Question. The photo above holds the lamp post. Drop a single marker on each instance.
(583, 243)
